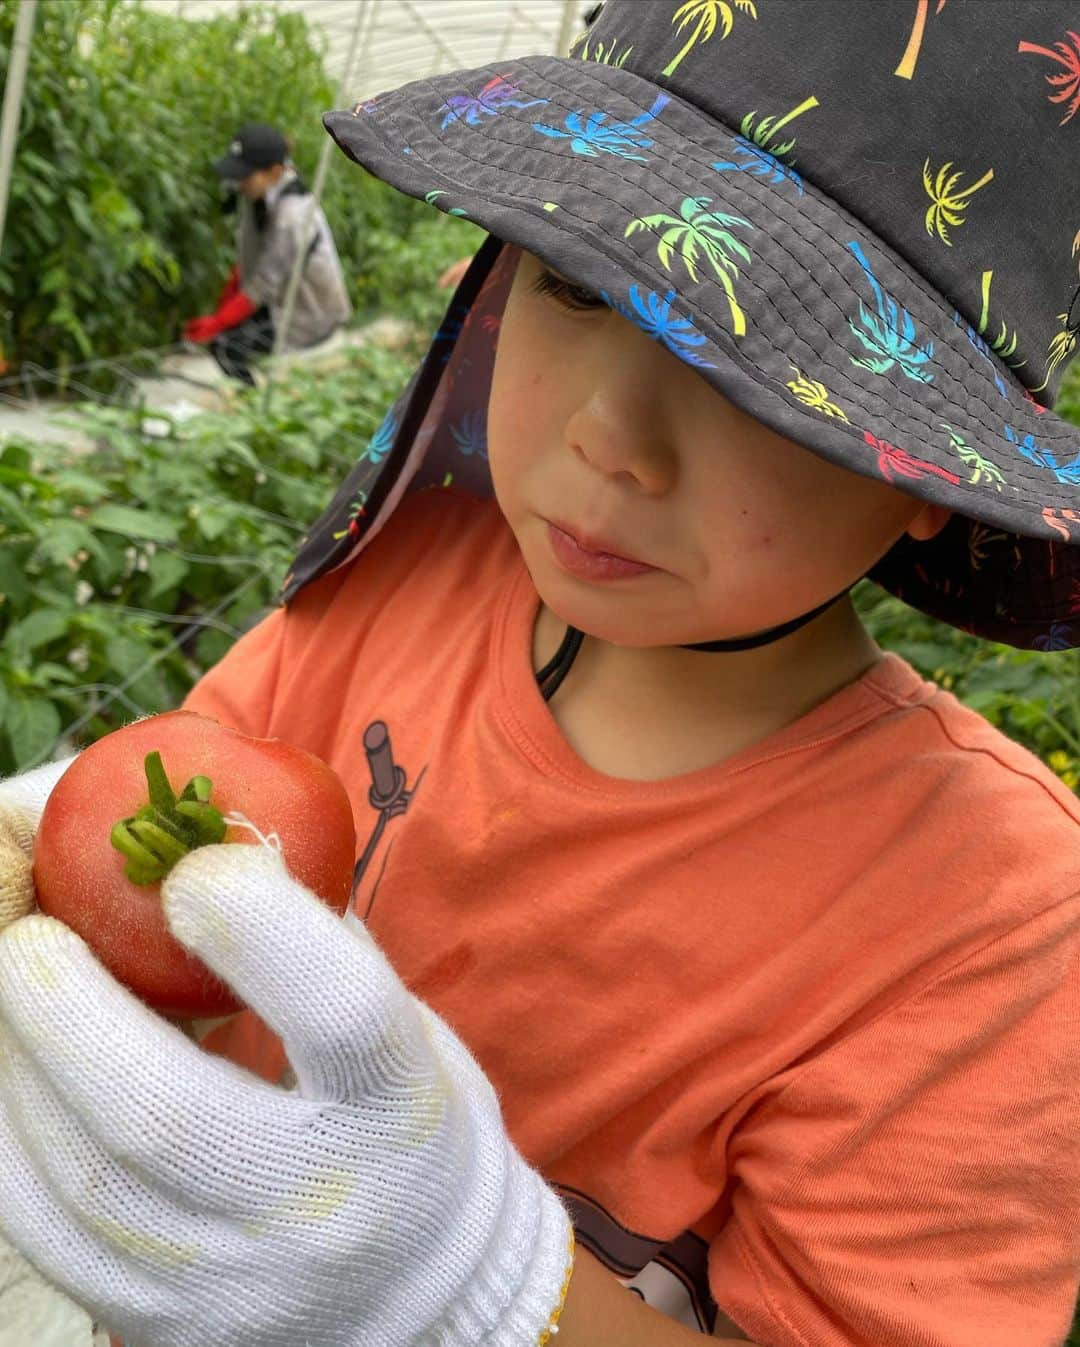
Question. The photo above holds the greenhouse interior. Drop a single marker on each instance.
(242, 359)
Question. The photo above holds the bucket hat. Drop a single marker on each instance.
(859, 220)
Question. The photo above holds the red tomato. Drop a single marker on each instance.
(79, 875)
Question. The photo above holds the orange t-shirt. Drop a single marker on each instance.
(797, 1035)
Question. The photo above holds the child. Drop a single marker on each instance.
(766, 947)
(276, 223)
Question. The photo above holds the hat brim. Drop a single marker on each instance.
(776, 295)
(232, 169)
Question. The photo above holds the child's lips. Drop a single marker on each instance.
(592, 558)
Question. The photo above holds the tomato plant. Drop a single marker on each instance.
(134, 803)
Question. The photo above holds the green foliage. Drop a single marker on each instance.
(1068, 403)
(1032, 697)
(115, 232)
(125, 574)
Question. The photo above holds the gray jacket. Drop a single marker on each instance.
(295, 223)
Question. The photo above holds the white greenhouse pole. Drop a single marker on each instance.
(18, 60)
(567, 26)
(362, 9)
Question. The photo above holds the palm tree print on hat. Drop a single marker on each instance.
(653, 315)
(906, 68)
(432, 197)
(761, 164)
(890, 337)
(382, 441)
(1067, 474)
(812, 393)
(894, 462)
(599, 54)
(1062, 345)
(763, 133)
(496, 96)
(710, 231)
(1004, 344)
(946, 203)
(1060, 521)
(1067, 56)
(470, 435)
(980, 540)
(982, 470)
(706, 14)
(590, 136)
(356, 511)
(1057, 637)
(983, 349)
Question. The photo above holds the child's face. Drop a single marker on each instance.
(256, 185)
(596, 430)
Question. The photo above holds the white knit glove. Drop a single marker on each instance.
(22, 798)
(31, 1310)
(188, 1204)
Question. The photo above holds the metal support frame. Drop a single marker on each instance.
(362, 27)
(567, 25)
(18, 61)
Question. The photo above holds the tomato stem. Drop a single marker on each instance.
(161, 793)
(166, 828)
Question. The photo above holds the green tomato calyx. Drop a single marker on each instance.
(165, 829)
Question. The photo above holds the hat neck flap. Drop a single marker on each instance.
(435, 434)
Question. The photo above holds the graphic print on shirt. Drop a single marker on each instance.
(670, 1275)
(389, 796)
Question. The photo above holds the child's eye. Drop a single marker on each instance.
(564, 293)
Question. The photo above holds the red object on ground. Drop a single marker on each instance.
(233, 310)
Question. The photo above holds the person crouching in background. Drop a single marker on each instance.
(277, 220)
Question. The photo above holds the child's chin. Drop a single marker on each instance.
(607, 620)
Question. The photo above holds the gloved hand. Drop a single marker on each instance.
(30, 1309)
(22, 798)
(233, 310)
(187, 1203)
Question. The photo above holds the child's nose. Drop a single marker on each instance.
(621, 433)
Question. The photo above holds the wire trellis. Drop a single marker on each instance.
(411, 39)
(98, 696)
(116, 692)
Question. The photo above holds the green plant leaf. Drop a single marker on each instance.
(32, 725)
(37, 629)
(167, 570)
(133, 523)
(14, 587)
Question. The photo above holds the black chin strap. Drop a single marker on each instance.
(772, 634)
(549, 678)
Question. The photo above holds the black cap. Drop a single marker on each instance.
(253, 147)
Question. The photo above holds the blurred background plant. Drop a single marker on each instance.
(115, 231)
(124, 574)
